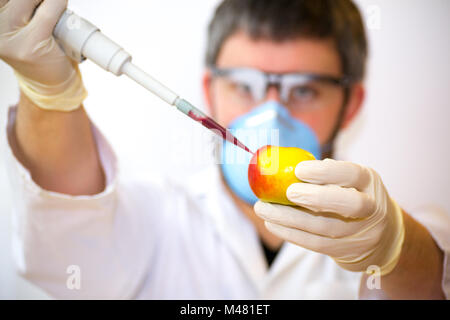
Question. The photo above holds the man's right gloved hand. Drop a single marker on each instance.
(46, 75)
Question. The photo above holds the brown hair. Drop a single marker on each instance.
(281, 20)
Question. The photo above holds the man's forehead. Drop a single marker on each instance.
(297, 55)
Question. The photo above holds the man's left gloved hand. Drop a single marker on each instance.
(344, 211)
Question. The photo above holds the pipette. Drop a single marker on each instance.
(81, 40)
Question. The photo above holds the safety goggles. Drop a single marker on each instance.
(297, 90)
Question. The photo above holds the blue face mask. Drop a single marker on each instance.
(268, 124)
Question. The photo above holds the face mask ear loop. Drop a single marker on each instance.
(327, 148)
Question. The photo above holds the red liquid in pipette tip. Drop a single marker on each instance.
(211, 124)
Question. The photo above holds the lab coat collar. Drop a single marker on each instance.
(238, 232)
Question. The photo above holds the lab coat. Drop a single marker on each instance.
(160, 239)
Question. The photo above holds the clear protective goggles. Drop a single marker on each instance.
(297, 90)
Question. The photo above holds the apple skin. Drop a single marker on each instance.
(272, 170)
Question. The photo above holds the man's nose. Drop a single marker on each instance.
(273, 94)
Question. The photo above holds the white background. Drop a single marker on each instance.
(402, 132)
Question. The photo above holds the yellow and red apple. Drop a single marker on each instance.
(272, 171)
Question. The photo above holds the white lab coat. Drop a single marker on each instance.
(160, 240)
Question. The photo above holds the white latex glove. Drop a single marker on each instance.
(344, 212)
(45, 74)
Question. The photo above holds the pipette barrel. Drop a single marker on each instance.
(81, 40)
(149, 83)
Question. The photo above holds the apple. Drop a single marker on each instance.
(272, 170)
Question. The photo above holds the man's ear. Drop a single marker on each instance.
(207, 91)
(355, 102)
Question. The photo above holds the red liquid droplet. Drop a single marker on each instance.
(218, 129)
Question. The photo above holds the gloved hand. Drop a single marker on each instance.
(344, 212)
(45, 74)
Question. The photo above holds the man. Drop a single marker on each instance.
(301, 63)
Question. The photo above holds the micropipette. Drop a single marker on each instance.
(81, 40)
